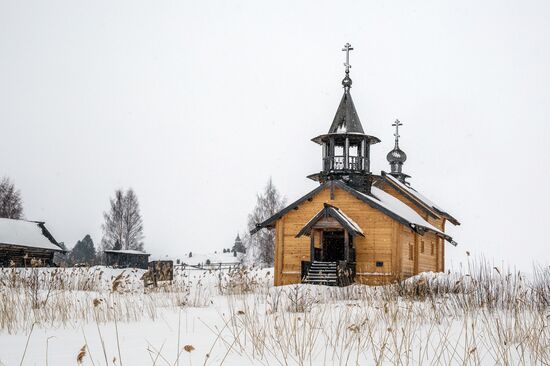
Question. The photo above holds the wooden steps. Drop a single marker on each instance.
(322, 273)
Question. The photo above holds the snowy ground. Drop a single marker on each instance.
(202, 258)
(238, 318)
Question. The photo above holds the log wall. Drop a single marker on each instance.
(19, 256)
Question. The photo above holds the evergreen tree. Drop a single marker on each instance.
(260, 247)
(123, 226)
(11, 204)
(238, 247)
(83, 251)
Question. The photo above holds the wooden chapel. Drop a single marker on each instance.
(357, 226)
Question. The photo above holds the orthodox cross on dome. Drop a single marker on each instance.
(397, 123)
(347, 48)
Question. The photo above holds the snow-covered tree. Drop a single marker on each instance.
(123, 226)
(260, 247)
(83, 251)
(11, 204)
(238, 247)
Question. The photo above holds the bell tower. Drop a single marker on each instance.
(346, 147)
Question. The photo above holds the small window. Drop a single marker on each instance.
(433, 248)
(411, 252)
(422, 246)
(379, 264)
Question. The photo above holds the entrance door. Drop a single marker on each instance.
(333, 246)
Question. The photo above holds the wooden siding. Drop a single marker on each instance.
(422, 261)
(426, 261)
(379, 243)
(386, 240)
(407, 240)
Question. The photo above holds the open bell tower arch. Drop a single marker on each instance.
(346, 147)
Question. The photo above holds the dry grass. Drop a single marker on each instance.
(479, 315)
(483, 316)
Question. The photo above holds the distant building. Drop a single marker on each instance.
(26, 243)
(126, 258)
(238, 246)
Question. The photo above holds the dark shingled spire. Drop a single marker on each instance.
(346, 119)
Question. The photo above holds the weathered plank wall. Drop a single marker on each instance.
(21, 256)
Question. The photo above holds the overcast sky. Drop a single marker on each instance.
(194, 104)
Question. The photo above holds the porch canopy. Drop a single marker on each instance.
(331, 217)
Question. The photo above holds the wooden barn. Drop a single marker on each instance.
(357, 226)
(26, 243)
(126, 258)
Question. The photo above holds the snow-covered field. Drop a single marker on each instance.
(203, 258)
(103, 316)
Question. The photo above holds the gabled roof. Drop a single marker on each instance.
(417, 197)
(334, 212)
(378, 199)
(31, 234)
(268, 223)
(346, 119)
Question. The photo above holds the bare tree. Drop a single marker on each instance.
(261, 246)
(123, 226)
(11, 204)
(133, 224)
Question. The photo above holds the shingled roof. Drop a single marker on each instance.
(378, 199)
(346, 119)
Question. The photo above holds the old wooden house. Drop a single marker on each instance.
(357, 226)
(126, 258)
(26, 243)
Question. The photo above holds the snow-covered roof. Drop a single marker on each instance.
(332, 211)
(399, 208)
(25, 233)
(378, 199)
(420, 197)
(350, 221)
(126, 251)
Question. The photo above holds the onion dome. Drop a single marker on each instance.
(397, 157)
(346, 81)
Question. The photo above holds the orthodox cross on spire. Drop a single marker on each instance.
(347, 80)
(397, 123)
(397, 157)
(347, 48)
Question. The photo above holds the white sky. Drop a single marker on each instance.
(195, 104)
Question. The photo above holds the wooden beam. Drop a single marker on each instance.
(312, 246)
(346, 245)
(397, 251)
(416, 252)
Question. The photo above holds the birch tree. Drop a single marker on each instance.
(261, 245)
(123, 226)
(11, 204)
